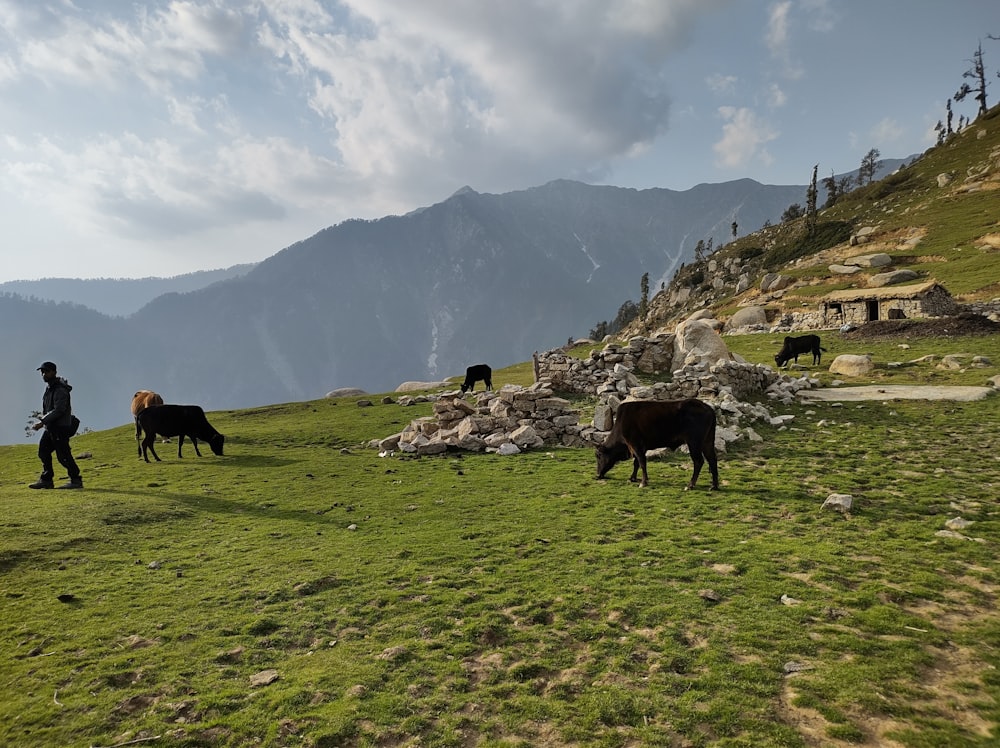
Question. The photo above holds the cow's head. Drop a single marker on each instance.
(779, 359)
(466, 388)
(608, 457)
(216, 444)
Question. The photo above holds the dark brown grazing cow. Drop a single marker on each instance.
(641, 425)
(140, 401)
(479, 372)
(794, 346)
(178, 420)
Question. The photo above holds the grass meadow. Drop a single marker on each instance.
(303, 591)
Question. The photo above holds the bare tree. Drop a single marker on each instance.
(977, 73)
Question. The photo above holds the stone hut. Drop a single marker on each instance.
(859, 305)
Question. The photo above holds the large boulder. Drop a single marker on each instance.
(892, 277)
(852, 365)
(345, 392)
(418, 386)
(774, 282)
(844, 269)
(751, 315)
(877, 260)
(697, 342)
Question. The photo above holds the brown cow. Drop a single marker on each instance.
(140, 401)
(641, 425)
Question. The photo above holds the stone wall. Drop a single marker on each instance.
(525, 417)
(607, 369)
(610, 371)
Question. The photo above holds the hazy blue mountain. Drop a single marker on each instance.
(117, 297)
(475, 278)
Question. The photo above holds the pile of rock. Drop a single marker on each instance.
(515, 418)
(508, 420)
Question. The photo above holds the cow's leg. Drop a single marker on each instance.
(147, 445)
(138, 436)
(635, 466)
(195, 443)
(708, 448)
(180, 443)
(642, 464)
(697, 460)
(489, 384)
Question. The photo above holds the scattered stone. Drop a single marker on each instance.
(958, 523)
(710, 595)
(839, 502)
(796, 667)
(790, 601)
(263, 678)
(393, 653)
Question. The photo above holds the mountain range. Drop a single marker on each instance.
(369, 303)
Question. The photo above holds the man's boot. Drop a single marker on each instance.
(44, 481)
(73, 483)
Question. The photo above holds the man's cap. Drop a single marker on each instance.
(47, 366)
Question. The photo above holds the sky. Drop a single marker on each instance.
(156, 138)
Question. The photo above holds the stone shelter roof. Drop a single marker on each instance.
(889, 292)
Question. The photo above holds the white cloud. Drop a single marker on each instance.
(395, 102)
(744, 137)
(821, 17)
(776, 97)
(722, 84)
(887, 132)
(777, 38)
(776, 35)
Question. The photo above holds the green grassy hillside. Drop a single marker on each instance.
(303, 591)
(948, 231)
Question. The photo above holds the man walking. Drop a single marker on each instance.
(59, 423)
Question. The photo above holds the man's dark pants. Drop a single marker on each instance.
(60, 445)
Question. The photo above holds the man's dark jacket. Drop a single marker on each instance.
(57, 413)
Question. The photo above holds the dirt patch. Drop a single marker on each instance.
(941, 327)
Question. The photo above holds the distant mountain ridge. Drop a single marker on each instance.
(118, 297)
(372, 303)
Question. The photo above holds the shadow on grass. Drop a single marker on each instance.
(206, 503)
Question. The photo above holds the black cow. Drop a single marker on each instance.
(794, 346)
(479, 372)
(641, 425)
(178, 420)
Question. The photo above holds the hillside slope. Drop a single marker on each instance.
(937, 216)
